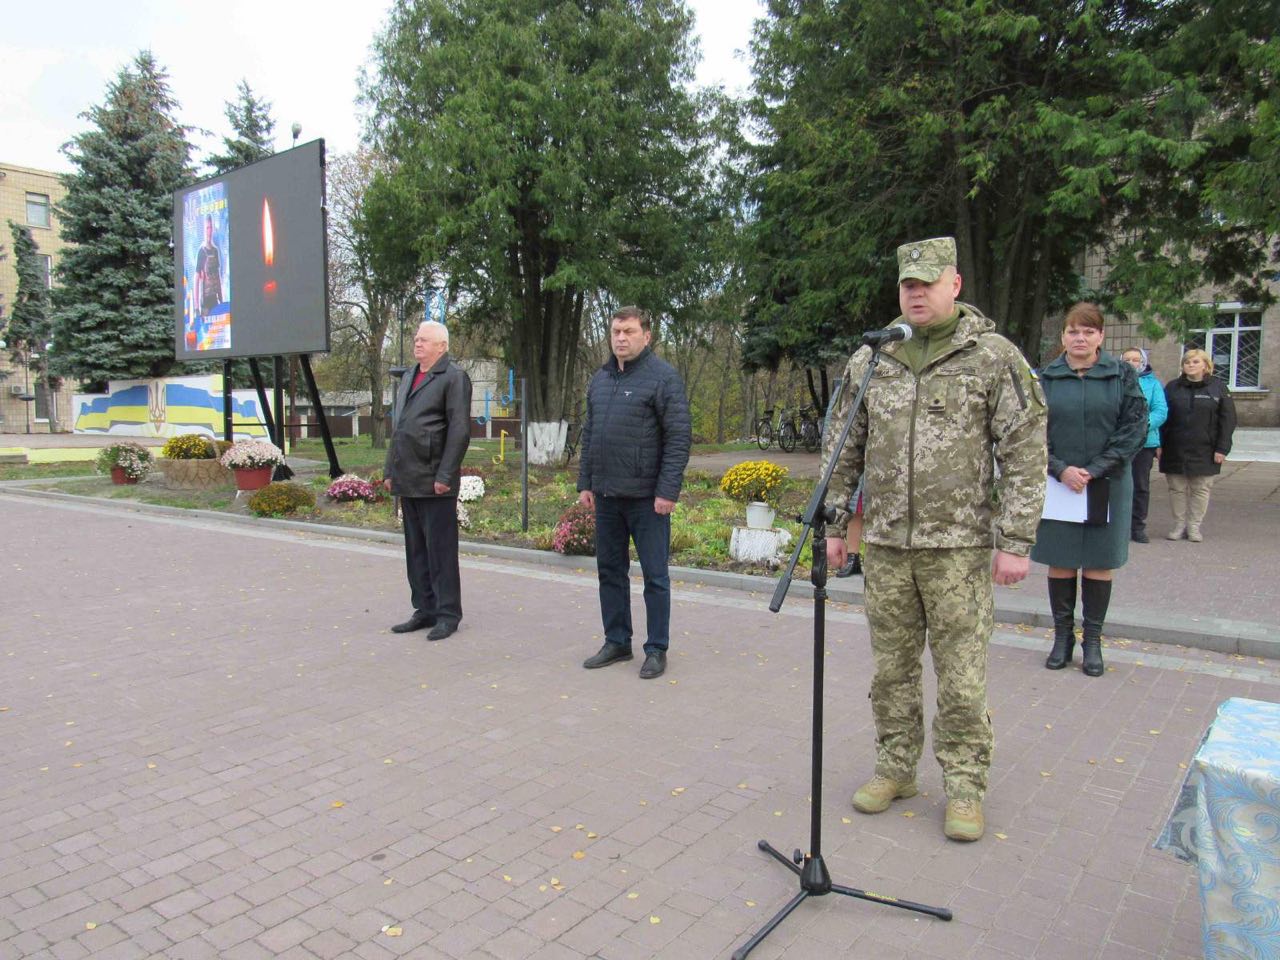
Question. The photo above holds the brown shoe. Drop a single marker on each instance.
(876, 794)
(964, 820)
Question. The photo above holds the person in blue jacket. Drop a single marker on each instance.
(1157, 411)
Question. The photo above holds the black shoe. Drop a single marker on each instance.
(655, 665)
(445, 628)
(1140, 536)
(609, 653)
(416, 622)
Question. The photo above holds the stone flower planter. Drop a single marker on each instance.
(194, 474)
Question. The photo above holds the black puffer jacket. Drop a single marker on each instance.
(635, 442)
(1202, 418)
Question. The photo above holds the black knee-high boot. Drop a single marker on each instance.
(1062, 604)
(1095, 597)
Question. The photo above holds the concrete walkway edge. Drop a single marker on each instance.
(1220, 635)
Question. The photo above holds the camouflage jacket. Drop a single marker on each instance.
(953, 457)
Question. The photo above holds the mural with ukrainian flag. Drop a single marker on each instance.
(167, 408)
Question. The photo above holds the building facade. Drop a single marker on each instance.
(28, 197)
(1244, 342)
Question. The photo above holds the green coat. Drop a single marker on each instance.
(1098, 422)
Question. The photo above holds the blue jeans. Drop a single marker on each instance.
(618, 521)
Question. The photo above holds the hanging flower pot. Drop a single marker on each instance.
(120, 475)
(253, 478)
(760, 516)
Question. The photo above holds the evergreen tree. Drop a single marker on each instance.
(113, 307)
(547, 150)
(28, 330)
(252, 125)
(1033, 132)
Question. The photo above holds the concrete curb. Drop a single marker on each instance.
(1220, 635)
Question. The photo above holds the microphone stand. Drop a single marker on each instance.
(815, 880)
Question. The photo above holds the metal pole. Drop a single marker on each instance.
(524, 458)
(26, 385)
(227, 404)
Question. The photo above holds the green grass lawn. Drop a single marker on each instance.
(42, 471)
(701, 525)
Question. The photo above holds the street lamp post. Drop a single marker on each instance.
(296, 130)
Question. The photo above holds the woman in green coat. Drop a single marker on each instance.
(1097, 422)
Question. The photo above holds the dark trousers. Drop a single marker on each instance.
(1142, 461)
(431, 555)
(618, 521)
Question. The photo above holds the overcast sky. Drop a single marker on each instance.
(58, 59)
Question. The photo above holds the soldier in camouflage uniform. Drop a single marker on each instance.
(950, 444)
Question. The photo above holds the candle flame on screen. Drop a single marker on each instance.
(268, 235)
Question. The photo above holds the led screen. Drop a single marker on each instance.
(250, 266)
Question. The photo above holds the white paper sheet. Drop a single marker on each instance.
(1063, 503)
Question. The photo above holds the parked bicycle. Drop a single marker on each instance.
(766, 430)
(810, 429)
(800, 428)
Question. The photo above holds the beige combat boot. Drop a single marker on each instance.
(964, 820)
(876, 794)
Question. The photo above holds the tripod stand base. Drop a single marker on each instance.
(815, 881)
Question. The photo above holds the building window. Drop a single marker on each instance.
(38, 209)
(46, 265)
(1235, 344)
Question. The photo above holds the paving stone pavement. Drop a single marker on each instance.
(213, 747)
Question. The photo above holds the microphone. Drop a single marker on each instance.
(878, 338)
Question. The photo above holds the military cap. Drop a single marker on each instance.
(926, 259)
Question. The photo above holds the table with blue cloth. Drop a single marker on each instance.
(1227, 821)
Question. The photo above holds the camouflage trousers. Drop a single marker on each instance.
(944, 597)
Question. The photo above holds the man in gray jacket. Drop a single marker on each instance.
(635, 446)
(424, 463)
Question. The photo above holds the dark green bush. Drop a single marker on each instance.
(281, 499)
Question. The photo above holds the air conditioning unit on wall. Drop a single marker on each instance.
(15, 390)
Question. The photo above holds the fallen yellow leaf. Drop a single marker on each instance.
(393, 932)
(91, 925)
(845, 820)
(592, 836)
(338, 803)
(556, 829)
(1045, 773)
(908, 814)
(1119, 759)
(1002, 836)
(655, 919)
(751, 903)
(579, 855)
(632, 895)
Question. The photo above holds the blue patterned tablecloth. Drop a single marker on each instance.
(1227, 821)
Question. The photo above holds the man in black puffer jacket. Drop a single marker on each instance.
(635, 446)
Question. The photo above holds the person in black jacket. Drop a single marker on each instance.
(424, 463)
(1194, 441)
(635, 446)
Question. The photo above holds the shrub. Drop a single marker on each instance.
(281, 499)
(471, 472)
(754, 481)
(575, 533)
(133, 458)
(349, 488)
(188, 446)
(222, 446)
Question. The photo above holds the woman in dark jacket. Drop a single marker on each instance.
(1194, 441)
(1097, 422)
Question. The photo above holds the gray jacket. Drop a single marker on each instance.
(432, 431)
